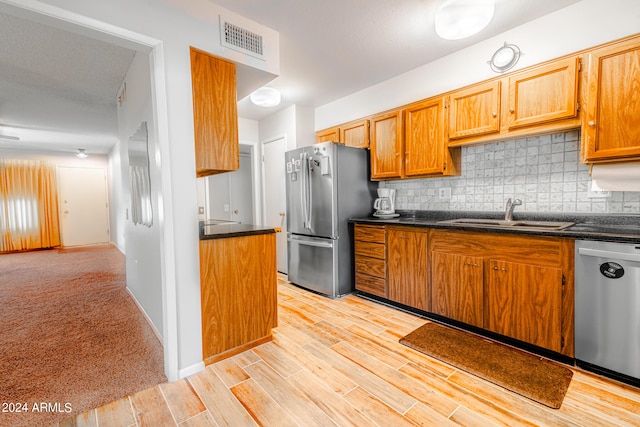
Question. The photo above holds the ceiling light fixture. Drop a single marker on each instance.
(81, 154)
(9, 137)
(458, 19)
(266, 97)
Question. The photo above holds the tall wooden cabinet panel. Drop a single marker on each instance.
(475, 111)
(387, 146)
(525, 302)
(457, 287)
(610, 129)
(215, 114)
(407, 267)
(355, 134)
(426, 151)
(543, 94)
(239, 296)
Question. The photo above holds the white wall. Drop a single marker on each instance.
(142, 243)
(576, 27)
(294, 122)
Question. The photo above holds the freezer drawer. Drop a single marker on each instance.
(313, 263)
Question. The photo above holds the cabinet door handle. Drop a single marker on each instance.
(500, 268)
(471, 264)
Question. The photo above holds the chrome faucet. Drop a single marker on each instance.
(511, 205)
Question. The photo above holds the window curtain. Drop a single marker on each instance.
(28, 205)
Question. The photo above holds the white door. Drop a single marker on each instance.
(241, 191)
(229, 196)
(275, 202)
(84, 208)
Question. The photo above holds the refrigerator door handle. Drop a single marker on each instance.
(315, 243)
(305, 190)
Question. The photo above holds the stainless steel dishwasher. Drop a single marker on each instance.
(607, 295)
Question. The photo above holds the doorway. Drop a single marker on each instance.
(275, 201)
(84, 207)
(230, 196)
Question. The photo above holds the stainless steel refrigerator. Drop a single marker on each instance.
(327, 184)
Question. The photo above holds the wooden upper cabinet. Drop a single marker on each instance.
(426, 151)
(355, 134)
(543, 94)
(610, 129)
(215, 114)
(475, 110)
(331, 134)
(387, 148)
(407, 267)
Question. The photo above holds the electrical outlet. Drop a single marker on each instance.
(444, 193)
(226, 207)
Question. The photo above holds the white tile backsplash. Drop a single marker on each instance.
(545, 172)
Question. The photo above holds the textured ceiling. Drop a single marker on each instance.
(57, 87)
(332, 48)
(63, 87)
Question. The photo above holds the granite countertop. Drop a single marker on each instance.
(215, 229)
(613, 227)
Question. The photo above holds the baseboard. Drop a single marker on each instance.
(191, 370)
(146, 316)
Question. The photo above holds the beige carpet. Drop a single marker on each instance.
(71, 337)
(523, 373)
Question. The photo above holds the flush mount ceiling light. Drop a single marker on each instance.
(457, 19)
(505, 58)
(81, 154)
(266, 97)
(10, 137)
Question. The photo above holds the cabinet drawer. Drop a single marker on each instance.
(371, 285)
(371, 266)
(369, 233)
(373, 250)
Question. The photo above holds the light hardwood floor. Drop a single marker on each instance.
(338, 362)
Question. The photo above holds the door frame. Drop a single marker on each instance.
(264, 187)
(58, 16)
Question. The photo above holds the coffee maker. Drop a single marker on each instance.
(384, 205)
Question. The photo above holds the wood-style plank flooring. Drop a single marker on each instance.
(338, 362)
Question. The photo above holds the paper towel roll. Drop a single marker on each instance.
(616, 177)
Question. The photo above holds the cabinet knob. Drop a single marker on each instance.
(397, 154)
(494, 114)
(511, 110)
(591, 123)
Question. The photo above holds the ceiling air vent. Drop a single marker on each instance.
(241, 39)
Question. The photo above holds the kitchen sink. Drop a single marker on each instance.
(517, 224)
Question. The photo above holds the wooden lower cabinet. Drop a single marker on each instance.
(514, 285)
(457, 287)
(524, 302)
(239, 296)
(407, 266)
(370, 259)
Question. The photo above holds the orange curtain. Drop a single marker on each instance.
(28, 205)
